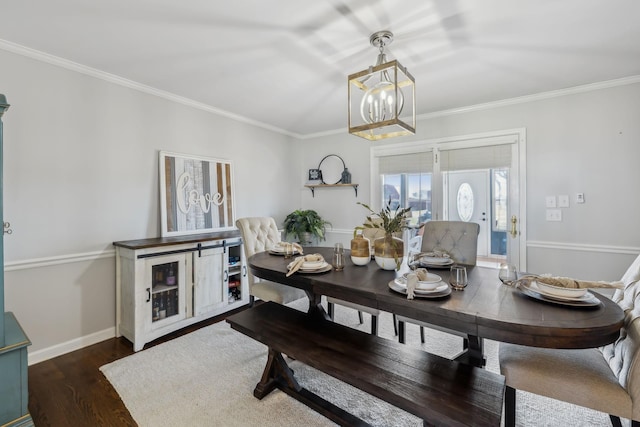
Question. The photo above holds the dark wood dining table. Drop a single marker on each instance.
(485, 309)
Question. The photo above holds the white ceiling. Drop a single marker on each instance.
(284, 63)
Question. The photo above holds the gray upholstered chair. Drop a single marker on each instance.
(605, 379)
(260, 234)
(457, 238)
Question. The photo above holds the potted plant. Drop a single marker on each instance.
(388, 250)
(304, 224)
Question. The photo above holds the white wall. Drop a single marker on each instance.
(81, 171)
(81, 156)
(585, 142)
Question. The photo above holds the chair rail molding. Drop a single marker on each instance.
(584, 247)
(58, 260)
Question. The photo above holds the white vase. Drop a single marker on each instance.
(386, 263)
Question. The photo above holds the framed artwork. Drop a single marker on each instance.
(315, 175)
(196, 194)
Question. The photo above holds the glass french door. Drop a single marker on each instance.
(470, 178)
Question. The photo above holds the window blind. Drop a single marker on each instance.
(488, 157)
(406, 163)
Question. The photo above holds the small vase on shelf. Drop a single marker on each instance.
(346, 176)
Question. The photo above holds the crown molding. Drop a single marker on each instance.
(534, 97)
(112, 78)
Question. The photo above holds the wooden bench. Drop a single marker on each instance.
(439, 391)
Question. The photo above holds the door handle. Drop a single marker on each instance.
(514, 232)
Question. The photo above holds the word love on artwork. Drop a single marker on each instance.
(187, 198)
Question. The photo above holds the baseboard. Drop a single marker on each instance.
(69, 346)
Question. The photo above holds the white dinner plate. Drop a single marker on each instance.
(436, 260)
(439, 292)
(431, 278)
(585, 296)
(559, 292)
(592, 301)
(280, 251)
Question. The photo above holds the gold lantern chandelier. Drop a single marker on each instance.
(382, 102)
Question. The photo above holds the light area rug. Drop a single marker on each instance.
(206, 378)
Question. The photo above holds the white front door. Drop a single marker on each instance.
(467, 199)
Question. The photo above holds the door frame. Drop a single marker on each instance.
(517, 247)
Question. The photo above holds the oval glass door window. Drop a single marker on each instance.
(465, 202)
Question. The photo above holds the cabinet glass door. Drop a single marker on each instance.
(167, 289)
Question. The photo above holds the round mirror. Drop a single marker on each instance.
(331, 167)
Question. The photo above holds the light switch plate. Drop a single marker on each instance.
(554, 215)
(563, 201)
(580, 198)
(550, 201)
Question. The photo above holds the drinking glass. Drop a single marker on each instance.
(507, 274)
(458, 277)
(288, 250)
(413, 260)
(338, 257)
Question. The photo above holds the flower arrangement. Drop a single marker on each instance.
(391, 221)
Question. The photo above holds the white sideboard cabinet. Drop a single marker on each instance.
(164, 284)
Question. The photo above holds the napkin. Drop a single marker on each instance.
(298, 261)
(412, 282)
(436, 253)
(422, 274)
(295, 246)
(566, 282)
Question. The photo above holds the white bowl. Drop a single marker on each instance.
(559, 291)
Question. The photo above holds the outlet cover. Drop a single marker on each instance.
(554, 215)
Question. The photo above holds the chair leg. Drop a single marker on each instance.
(422, 334)
(395, 325)
(615, 421)
(330, 310)
(401, 332)
(509, 407)
(252, 300)
(374, 325)
(360, 317)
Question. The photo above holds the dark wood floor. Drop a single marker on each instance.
(70, 390)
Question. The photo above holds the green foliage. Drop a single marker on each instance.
(393, 221)
(305, 221)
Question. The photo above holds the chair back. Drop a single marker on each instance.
(258, 234)
(623, 355)
(457, 238)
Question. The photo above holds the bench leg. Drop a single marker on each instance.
(401, 332)
(509, 407)
(374, 325)
(276, 371)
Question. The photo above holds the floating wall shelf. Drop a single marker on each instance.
(313, 187)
